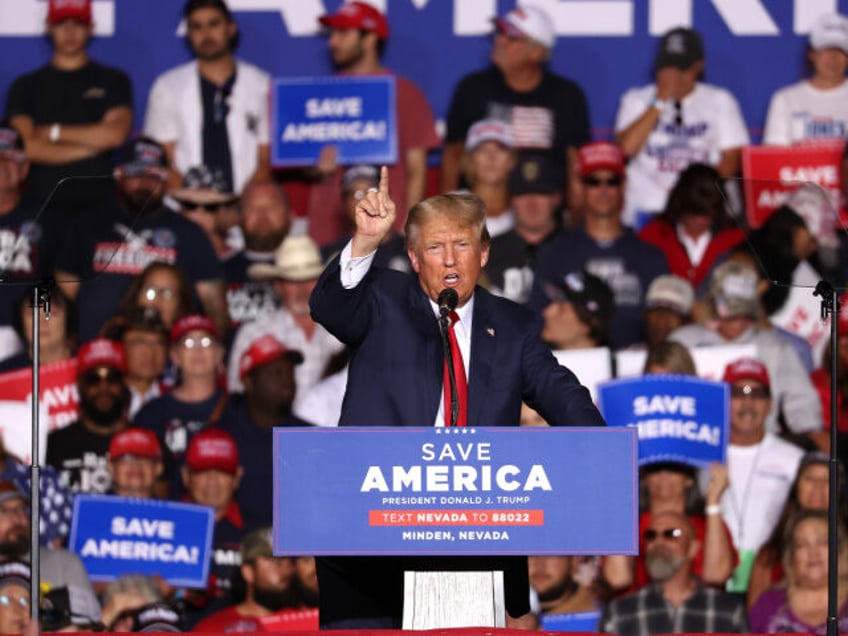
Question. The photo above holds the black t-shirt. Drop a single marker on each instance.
(247, 299)
(216, 140)
(550, 118)
(27, 251)
(108, 249)
(80, 457)
(510, 267)
(49, 95)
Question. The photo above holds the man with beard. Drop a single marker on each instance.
(213, 110)
(58, 567)
(293, 275)
(357, 38)
(107, 248)
(80, 451)
(565, 586)
(675, 601)
(267, 372)
(265, 222)
(267, 587)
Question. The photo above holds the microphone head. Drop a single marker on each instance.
(447, 300)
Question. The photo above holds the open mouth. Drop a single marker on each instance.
(451, 279)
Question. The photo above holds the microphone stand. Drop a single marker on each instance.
(830, 307)
(444, 325)
(40, 298)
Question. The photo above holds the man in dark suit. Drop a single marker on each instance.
(397, 373)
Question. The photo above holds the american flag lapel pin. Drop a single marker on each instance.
(490, 331)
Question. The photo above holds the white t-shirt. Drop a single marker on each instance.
(711, 123)
(175, 115)
(760, 478)
(802, 113)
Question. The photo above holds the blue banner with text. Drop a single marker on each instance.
(357, 115)
(455, 491)
(119, 535)
(679, 418)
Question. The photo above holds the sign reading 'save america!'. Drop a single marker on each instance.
(454, 491)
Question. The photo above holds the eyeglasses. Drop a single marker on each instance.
(152, 293)
(594, 182)
(746, 390)
(5, 600)
(103, 374)
(212, 208)
(204, 342)
(672, 534)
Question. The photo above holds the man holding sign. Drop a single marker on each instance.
(397, 369)
(357, 37)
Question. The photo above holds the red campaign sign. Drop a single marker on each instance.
(58, 390)
(772, 172)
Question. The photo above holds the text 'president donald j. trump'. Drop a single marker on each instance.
(398, 371)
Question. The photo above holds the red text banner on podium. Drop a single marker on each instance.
(773, 172)
(455, 491)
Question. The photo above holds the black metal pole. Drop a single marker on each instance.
(443, 328)
(830, 307)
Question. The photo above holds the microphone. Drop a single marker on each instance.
(447, 301)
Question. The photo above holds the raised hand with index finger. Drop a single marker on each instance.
(374, 217)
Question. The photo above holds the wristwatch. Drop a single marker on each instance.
(660, 104)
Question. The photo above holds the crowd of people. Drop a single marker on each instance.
(180, 279)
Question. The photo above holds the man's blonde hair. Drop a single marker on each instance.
(466, 209)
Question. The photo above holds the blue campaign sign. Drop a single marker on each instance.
(118, 535)
(455, 491)
(355, 114)
(679, 418)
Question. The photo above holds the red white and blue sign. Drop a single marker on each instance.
(678, 418)
(357, 115)
(455, 491)
(119, 535)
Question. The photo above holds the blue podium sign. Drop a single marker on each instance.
(455, 491)
(119, 535)
(679, 418)
(356, 114)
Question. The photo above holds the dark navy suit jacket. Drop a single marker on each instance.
(396, 366)
(396, 377)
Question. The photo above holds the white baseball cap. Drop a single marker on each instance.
(530, 22)
(489, 130)
(830, 31)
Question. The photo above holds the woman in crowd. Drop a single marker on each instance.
(163, 286)
(695, 229)
(801, 605)
(57, 336)
(810, 491)
(486, 164)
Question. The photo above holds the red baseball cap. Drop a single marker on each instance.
(600, 155)
(357, 15)
(194, 322)
(746, 369)
(264, 350)
(101, 352)
(135, 441)
(212, 449)
(59, 10)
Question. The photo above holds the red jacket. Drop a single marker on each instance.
(664, 235)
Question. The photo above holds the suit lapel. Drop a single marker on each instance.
(483, 345)
(432, 366)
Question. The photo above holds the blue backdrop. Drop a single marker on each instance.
(752, 46)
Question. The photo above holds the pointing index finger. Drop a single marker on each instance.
(384, 181)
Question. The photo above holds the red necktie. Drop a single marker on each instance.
(459, 374)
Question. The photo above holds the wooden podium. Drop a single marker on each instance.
(435, 600)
